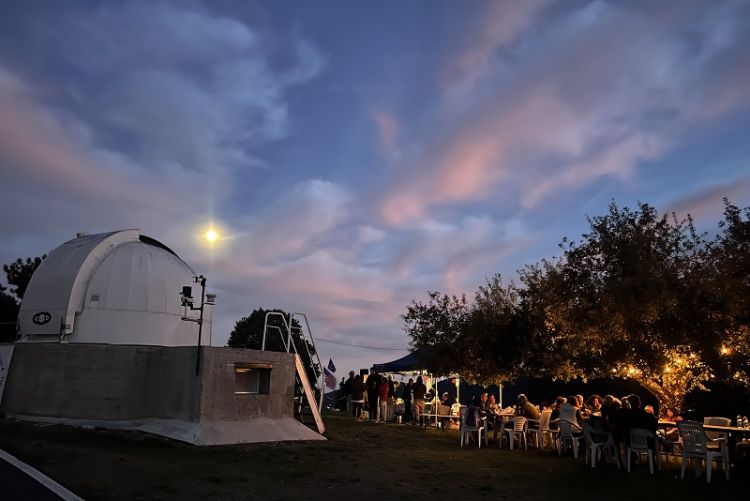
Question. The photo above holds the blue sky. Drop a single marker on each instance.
(354, 155)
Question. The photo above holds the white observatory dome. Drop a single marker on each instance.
(111, 288)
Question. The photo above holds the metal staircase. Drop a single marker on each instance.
(304, 390)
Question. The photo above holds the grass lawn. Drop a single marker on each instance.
(359, 461)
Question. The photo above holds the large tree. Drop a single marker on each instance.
(729, 275)
(640, 295)
(482, 340)
(620, 302)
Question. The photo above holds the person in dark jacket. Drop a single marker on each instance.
(373, 386)
(526, 409)
(358, 396)
(419, 391)
(407, 396)
(637, 417)
(348, 389)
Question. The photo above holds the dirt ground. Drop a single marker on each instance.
(359, 461)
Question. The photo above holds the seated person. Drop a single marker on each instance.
(599, 425)
(526, 409)
(446, 400)
(570, 412)
(594, 404)
(492, 408)
(493, 415)
(554, 418)
(637, 417)
(483, 403)
(671, 415)
(473, 413)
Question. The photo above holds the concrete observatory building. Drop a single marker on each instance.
(104, 341)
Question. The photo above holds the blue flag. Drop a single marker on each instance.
(331, 367)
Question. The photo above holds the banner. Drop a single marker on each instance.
(6, 353)
(330, 379)
(331, 367)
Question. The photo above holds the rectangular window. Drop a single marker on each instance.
(252, 379)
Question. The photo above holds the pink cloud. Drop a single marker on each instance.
(47, 155)
(706, 204)
(583, 103)
(487, 151)
(618, 160)
(504, 23)
(387, 132)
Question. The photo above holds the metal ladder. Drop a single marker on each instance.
(302, 381)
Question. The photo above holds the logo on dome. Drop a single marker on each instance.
(41, 318)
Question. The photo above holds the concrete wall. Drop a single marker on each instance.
(108, 382)
(220, 403)
(123, 382)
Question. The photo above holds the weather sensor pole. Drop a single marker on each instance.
(186, 296)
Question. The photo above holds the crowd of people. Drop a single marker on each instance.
(605, 415)
(375, 398)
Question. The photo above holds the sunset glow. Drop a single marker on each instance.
(301, 166)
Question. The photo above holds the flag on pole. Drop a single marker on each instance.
(330, 379)
(331, 367)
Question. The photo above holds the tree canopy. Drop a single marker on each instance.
(640, 295)
(18, 274)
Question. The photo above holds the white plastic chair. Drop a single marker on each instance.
(638, 443)
(542, 426)
(571, 433)
(595, 449)
(517, 431)
(466, 432)
(695, 446)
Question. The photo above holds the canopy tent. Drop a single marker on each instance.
(413, 362)
(417, 362)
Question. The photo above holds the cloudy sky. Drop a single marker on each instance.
(354, 155)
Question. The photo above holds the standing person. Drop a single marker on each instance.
(373, 386)
(392, 385)
(341, 400)
(382, 416)
(348, 390)
(407, 396)
(358, 397)
(419, 392)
